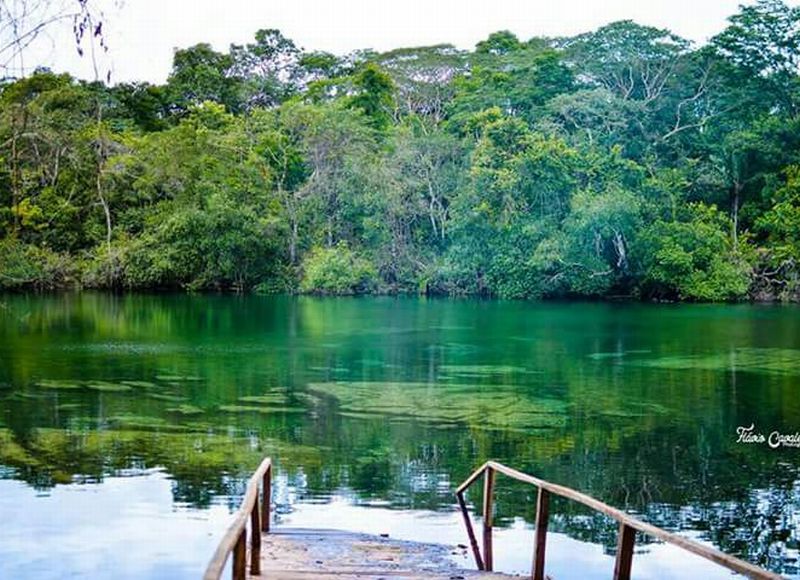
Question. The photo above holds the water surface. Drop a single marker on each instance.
(129, 423)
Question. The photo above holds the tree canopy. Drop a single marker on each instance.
(625, 161)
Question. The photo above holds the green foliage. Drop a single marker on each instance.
(199, 74)
(514, 271)
(498, 43)
(375, 91)
(693, 259)
(337, 270)
(519, 83)
(267, 69)
(143, 105)
(762, 45)
(626, 58)
(777, 268)
(23, 266)
(224, 246)
(599, 235)
(582, 166)
(422, 78)
(781, 223)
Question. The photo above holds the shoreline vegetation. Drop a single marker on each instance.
(625, 161)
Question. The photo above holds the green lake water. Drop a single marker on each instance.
(128, 425)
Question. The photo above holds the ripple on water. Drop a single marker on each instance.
(776, 361)
(127, 348)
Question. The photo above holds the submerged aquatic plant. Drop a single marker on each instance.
(480, 406)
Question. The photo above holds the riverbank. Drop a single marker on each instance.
(789, 295)
(341, 271)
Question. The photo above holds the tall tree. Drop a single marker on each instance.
(199, 73)
(762, 47)
(268, 67)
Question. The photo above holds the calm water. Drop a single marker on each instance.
(128, 425)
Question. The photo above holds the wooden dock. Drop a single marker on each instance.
(309, 553)
(303, 554)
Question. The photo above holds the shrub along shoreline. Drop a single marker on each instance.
(329, 272)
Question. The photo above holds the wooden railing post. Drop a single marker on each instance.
(540, 537)
(470, 531)
(247, 516)
(240, 557)
(627, 538)
(629, 526)
(255, 539)
(488, 493)
(265, 506)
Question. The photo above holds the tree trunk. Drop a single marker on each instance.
(293, 243)
(16, 196)
(101, 162)
(737, 189)
(106, 211)
(16, 171)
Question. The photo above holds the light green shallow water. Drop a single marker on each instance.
(389, 403)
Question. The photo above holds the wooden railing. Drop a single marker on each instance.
(235, 539)
(628, 526)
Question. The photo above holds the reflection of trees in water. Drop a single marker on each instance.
(750, 510)
(764, 528)
(659, 443)
(761, 529)
(745, 501)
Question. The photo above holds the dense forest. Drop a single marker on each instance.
(624, 162)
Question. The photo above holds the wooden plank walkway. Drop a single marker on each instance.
(306, 553)
(302, 554)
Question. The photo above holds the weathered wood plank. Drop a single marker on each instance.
(255, 540)
(540, 534)
(472, 478)
(267, 500)
(488, 516)
(625, 543)
(238, 526)
(473, 542)
(707, 552)
(240, 557)
(310, 553)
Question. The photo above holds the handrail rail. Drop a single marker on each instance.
(235, 538)
(628, 527)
